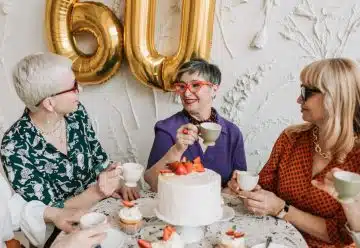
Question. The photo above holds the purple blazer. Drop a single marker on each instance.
(226, 156)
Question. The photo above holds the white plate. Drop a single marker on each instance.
(147, 206)
(114, 239)
(272, 245)
(228, 213)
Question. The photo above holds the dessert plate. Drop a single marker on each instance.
(228, 213)
(272, 245)
(114, 239)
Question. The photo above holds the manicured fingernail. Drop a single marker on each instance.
(185, 131)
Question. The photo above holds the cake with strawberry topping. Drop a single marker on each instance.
(170, 239)
(233, 239)
(189, 194)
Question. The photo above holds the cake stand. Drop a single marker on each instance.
(188, 234)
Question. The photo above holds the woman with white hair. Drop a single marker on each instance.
(330, 105)
(51, 153)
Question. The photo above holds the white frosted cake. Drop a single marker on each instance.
(190, 200)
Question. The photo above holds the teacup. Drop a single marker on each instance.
(247, 180)
(92, 219)
(131, 173)
(209, 132)
(347, 184)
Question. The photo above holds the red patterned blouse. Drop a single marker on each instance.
(288, 174)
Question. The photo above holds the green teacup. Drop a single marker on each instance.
(347, 184)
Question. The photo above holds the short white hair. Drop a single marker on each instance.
(38, 76)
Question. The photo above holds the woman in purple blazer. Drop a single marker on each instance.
(176, 137)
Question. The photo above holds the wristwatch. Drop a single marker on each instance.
(284, 211)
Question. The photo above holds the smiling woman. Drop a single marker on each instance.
(176, 137)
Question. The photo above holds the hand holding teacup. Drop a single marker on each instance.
(186, 135)
(342, 185)
(243, 181)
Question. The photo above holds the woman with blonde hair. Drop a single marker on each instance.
(329, 102)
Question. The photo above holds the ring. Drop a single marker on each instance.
(185, 131)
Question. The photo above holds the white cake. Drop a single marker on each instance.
(190, 200)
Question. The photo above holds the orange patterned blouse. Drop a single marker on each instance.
(288, 174)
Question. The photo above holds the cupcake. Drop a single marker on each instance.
(130, 218)
(232, 239)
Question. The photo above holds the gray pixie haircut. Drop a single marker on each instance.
(208, 71)
(38, 76)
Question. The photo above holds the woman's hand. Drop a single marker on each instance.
(262, 202)
(186, 135)
(351, 209)
(233, 184)
(129, 193)
(63, 218)
(83, 238)
(110, 180)
(328, 184)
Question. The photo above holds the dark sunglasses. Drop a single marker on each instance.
(307, 92)
(75, 88)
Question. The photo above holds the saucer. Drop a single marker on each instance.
(114, 238)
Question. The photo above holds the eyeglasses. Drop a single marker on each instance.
(194, 86)
(307, 92)
(75, 89)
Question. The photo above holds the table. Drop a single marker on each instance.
(257, 228)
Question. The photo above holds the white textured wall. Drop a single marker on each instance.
(259, 88)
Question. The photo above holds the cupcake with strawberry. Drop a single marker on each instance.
(170, 239)
(232, 239)
(130, 218)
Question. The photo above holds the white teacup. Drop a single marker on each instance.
(92, 219)
(209, 132)
(131, 173)
(347, 184)
(247, 180)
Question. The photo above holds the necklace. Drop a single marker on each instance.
(57, 132)
(318, 149)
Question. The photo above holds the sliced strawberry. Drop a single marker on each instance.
(188, 166)
(230, 232)
(144, 243)
(197, 160)
(173, 166)
(238, 235)
(181, 170)
(128, 204)
(199, 167)
(168, 231)
(166, 171)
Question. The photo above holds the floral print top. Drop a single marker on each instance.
(39, 171)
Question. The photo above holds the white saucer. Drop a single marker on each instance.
(272, 245)
(228, 213)
(114, 239)
(147, 206)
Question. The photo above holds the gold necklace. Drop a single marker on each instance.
(318, 149)
(57, 132)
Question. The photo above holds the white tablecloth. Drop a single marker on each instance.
(256, 228)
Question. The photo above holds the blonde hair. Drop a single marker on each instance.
(38, 76)
(339, 80)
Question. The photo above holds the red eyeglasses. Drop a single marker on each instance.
(194, 86)
(75, 89)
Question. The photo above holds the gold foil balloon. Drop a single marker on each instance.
(65, 18)
(152, 68)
